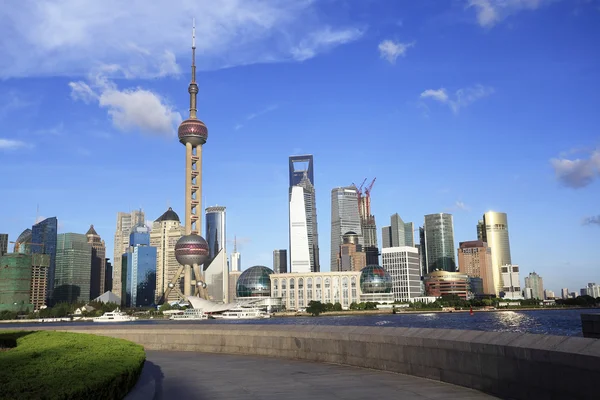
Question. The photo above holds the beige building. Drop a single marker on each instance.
(298, 289)
(493, 229)
(351, 256)
(125, 223)
(233, 279)
(475, 260)
(165, 233)
(98, 263)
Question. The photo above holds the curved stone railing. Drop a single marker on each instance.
(505, 364)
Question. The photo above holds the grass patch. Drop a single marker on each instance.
(62, 365)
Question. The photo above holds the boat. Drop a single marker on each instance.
(115, 316)
(241, 312)
(191, 314)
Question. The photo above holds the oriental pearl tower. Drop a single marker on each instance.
(191, 250)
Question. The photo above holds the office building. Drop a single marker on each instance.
(15, 281)
(215, 231)
(298, 289)
(140, 280)
(351, 255)
(527, 293)
(236, 257)
(549, 294)
(166, 231)
(98, 277)
(108, 273)
(511, 288)
(402, 263)
(344, 218)
(303, 215)
(443, 283)
(493, 229)
(398, 233)
(43, 241)
(475, 260)
(40, 265)
(564, 293)
(3, 243)
(233, 280)
(73, 268)
(125, 223)
(367, 224)
(422, 251)
(593, 290)
(439, 243)
(280, 261)
(536, 284)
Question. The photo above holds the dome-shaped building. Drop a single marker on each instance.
(375, 279)
(254, 282)
(23, 242)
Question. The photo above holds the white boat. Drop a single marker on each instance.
(241, 312)
(115, 316)
(191, 314)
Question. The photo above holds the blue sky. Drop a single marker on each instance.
(457, 106)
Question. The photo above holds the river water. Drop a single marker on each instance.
(551, 322)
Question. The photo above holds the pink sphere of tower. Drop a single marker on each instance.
(191, 250)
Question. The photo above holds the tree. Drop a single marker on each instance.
(315, 308)
(337, 306)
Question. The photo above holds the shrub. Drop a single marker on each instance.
(63, 365)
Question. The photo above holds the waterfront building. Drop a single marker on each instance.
(475, 260)
(564, 293)
(583, 292)
(351, 256)
(166, 231)
(345, 217)
(280, 261)
(511, 288)
(439, 243)
(475, 287)
(215, 230)
(299, 289)
(398, 233)
(73, 268)
(444, 283)
(216, 277)
(140, 279)
(255, 284)
(236, 257)
(402, 263)
(234, 276)
(15, 282)
(303, 216)
(528, 293)
(376, 285)
(43, 241)
(23, 242)
(3, 243)
(493, 229)
(593, 290)
(422, 251)
(97, 277)
(126, 221)
(108, 282)
(549, 294)
(536, 284)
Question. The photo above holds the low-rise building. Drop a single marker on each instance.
(444, 283)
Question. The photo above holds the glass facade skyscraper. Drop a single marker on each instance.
(140, 279)
(493, 229)
(345, 217)
(439, 243)
(215, 231)
(73, 268)
(44, 236)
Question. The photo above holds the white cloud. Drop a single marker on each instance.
(253, 115)
(490, 12)
(9, 144)
(579, 172)
(68, 37)
(462, 97)
(129, 109)
(391, 50)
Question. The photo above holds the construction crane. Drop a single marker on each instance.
(368, 190)
(29, 243)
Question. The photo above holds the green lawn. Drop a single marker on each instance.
(63, 365)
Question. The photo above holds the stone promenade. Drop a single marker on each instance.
(202, 376)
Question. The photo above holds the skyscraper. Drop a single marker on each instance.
(280, 261)
(3, 243)
(351, 256)
(409, 234)
(73, 268)
(125, 222)
(303, 202)
(108, 275)
(23, 242)
(141, 269)
(368, 226)
(236, 258)
(536, 284)
(402, 263)
(98, 263)
(166, 231)
(43, 241)
(215, 231)
(398, 233)
(475, 260)
(493, 229)
(345, 218)
(439, 243)
(191, 250)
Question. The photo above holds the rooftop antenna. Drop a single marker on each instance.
(235, 243)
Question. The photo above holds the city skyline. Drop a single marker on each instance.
(320, 130)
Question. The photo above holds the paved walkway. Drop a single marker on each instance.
(190, 375)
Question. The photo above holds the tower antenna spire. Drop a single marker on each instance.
(235, 243)
(193, 88)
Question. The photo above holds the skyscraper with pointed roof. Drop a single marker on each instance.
(125, 223)
(97, 277)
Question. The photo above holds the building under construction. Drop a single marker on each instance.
(367, 221)
(23, 281)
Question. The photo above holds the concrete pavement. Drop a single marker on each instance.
(203, 376)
